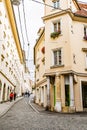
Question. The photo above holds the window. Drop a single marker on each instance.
(2, 57)
(56, 29)
(86, 59)
(56, 4)
(85, 32)
(57, 57)
(56, 26)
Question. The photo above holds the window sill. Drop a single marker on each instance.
(56, 66)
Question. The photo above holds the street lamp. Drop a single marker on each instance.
(16, 2)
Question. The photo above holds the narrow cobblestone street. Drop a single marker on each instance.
(22, 117)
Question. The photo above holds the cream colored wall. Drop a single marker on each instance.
(63, 41)
(8, 84)
(77, 43)
(39, 56)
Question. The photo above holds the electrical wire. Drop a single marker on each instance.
(24, 15)
(49, 5)
(21, 26)
(25, 21)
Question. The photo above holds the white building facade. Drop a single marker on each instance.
(11, 56)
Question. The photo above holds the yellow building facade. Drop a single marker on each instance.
(65, 70)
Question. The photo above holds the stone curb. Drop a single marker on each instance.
(33, 107)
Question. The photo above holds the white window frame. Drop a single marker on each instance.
(56, 4)
(57, 22)
(53, 61)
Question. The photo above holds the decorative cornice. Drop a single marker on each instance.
(74, 16)
(84, 49)
(66, 72)
(40, 82)
(7, 78)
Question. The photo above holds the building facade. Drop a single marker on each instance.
(39, 61)
(65, 38)
(12, 68)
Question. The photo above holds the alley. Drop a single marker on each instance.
(22, 117)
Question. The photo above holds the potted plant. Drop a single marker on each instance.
(55, 34)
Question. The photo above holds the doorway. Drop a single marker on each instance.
(84, 94)
(67, 95)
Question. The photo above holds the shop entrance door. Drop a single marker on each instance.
(84, 94)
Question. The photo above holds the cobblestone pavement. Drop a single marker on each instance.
(22, 117)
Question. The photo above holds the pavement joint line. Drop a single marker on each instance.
(33, 107)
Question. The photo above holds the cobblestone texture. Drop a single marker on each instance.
(22, 117)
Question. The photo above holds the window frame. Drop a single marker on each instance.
(56, 26)
(85, 30)
(53, 59)
(56, 4)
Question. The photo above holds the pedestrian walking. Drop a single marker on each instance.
(14, 96)
(11, 96)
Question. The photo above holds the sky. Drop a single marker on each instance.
(33, 14)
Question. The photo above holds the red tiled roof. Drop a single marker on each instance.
(83, 5)
(83, 10)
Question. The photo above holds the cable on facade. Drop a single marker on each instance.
(25, 21)
(24, 15)
(49, 5)
(21, 26)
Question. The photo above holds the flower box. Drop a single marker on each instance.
(55, 34)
